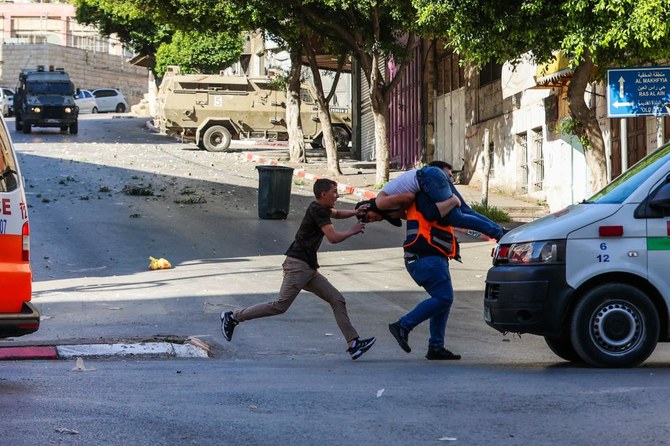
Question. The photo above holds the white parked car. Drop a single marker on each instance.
(110, 100)
(9, 99)
(85, 101)
(4, 107)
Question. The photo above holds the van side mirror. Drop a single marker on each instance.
(661, 199)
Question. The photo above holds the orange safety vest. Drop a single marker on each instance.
(439, 237)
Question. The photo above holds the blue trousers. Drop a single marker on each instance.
(435, 183)
(467, 218)
(431, 273)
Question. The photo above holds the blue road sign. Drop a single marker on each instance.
(639, 91)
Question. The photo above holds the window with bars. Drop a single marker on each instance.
(450, 73)
(33, 39)
(89, 42)
(522, 143)
(490, 73)
(538, 158)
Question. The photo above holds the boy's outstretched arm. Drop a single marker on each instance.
(334, 236)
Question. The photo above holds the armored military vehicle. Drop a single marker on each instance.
(215, 109)
(45, 98)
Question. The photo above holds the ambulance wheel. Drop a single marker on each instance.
(216, 139)
(563, 348)
(614, 325)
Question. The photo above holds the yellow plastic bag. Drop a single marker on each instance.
(159, 264)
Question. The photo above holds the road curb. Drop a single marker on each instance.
(31, 352)
(191, 348)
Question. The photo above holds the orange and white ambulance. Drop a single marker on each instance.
(18, 316)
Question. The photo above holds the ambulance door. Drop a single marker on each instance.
(658, 237)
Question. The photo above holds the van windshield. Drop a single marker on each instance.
(61, 88)
(624, 185)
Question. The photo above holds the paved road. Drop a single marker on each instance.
(283, 380)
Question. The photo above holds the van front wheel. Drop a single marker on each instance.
(614, 325)
(563, 348)
(216, 139)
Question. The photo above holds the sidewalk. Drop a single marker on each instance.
(358, 180)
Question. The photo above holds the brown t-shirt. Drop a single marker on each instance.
(309, 236)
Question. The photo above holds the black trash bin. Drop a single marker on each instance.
(274, 191)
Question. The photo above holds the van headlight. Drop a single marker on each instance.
(530, 253)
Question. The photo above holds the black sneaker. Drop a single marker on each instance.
(401, 335)
(228, 325)
(360, 346)
(441, 354)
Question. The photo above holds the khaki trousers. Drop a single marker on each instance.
(298, 276)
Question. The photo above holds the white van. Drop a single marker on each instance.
(593, 278)
(18, 316)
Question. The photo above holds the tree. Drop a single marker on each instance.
(199, 52)
(374, 32)
(595, 34)
(134, 29)
(194, 51)
(226, 18)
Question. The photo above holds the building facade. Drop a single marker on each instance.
(504, 123)
(46, 33)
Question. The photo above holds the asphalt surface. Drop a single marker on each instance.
(282, 380)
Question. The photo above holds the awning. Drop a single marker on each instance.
(525, 74)
(555, 73)
(518, 77)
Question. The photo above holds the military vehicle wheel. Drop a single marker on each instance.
(120, 108)
(74, 128)
(26, 127)
(317, 142)
(216, 139)
(342, 138)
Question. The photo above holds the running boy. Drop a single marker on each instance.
(301, 269)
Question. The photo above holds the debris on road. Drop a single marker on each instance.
(80, 367)
(159, 264)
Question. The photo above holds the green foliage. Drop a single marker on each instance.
(569, 126)
(134, 29)
(492, 212)
(194, 52)
(616, 33)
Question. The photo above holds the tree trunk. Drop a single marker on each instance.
(296, 139)
(487, 169)
(595, 152)
(328, 141)
(327, 138)
(380, 114)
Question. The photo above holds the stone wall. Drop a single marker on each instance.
(87, 69)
